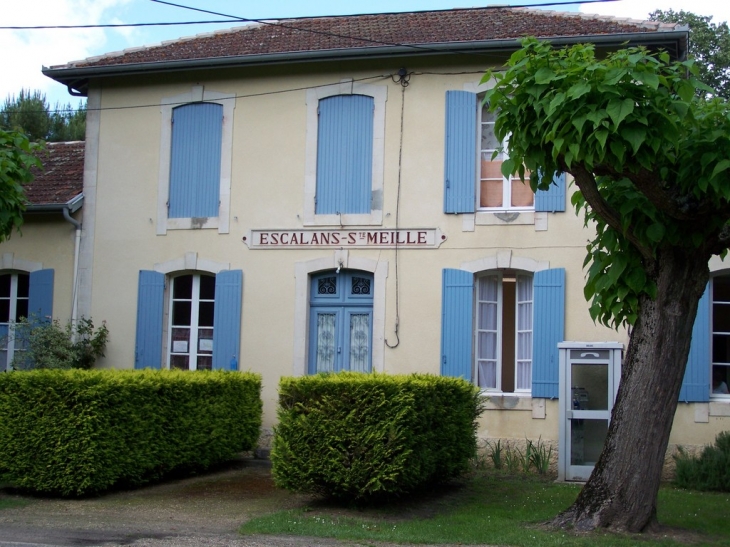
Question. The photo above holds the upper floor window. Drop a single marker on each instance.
(495, 191)
(345, 155)
(195, 161)
(194, 183)
(343, 182)
(473, 182)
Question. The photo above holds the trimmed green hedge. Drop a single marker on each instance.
(363, 436)
(75, 432)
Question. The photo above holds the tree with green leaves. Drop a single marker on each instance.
(16, 159)
(650, 160)
(30, 114)
(709, 46)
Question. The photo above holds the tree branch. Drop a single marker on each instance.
(586, 182)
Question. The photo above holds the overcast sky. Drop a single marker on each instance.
(25, 52)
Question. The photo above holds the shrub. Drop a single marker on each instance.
(46, 344)
(75, 432)
(363, 436)
(709, 471)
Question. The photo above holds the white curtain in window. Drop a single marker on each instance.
(487, 329)
(360, 342)
(326, 342)
(524, 333)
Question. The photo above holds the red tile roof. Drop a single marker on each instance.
(424, 29)
(62, 177)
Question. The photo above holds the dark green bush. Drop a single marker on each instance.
(364, 436)
(709, 471)
(74, 432)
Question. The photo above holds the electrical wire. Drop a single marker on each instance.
(268, 20)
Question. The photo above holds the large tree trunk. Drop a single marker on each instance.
(621, 492)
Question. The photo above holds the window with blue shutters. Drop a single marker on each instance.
(708, 365)
(473, 179)
(341, 322)
(195, 161)
(204, 320)
(196, 150)
(500, 329)
(344, 154)
(14, 294)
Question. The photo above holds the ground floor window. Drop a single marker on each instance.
(721, 335)
(503, 338)
(190, 333)
(341, 321)
(14, 292)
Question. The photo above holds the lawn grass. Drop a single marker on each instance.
(7, 503)
(498, 510)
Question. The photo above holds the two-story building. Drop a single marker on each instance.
(318, 194)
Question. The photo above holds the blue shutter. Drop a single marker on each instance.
(195, 160)
(456, 323)
(227, 319)
(696, 383)
(552, 200)
(40, 294)
(548, 328)
(345, 155)
(461, 152)
(150, 297)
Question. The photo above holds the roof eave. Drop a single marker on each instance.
(77, 78)
(73, 205)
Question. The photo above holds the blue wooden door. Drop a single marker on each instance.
(341, 322)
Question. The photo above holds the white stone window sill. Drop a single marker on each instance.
(505, 218)
(515, 401)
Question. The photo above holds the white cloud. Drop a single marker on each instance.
(640, 9)
(25, 52)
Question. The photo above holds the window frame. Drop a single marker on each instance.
(194, 327)
(507, 182)
(222, 221)
(724, 397)
(313, 96)
(10, 348)
(499, 274)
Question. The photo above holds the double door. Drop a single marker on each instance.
(340, 322)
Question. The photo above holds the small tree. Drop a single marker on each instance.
(16, 160)
(650, 159)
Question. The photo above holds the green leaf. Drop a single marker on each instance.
(635, 136)
(655, 232)
(618, 110)
(545, 76)
(721, 166)
(578, 90)
(601, 136)
(635, 279)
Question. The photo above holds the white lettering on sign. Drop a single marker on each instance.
(379, 238)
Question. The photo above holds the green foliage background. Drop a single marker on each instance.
(708, 471)
(364, 436)
(30, 113)
(76, 432)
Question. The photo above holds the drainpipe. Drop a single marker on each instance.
(77, 247)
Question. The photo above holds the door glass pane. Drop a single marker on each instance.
(205, 314)
(205, 341)
(179, 362)
(183, 287)
(327, 285)
(5, 310)
(181, 313)
(180, 340)
(207, 287)
(205, 362)
(586, 440)
(360, 342)
(326, 323)
(23, 285)
(5, 280)
(589, 385)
